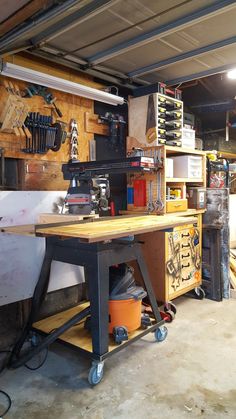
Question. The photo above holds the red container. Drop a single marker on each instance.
(140, 193)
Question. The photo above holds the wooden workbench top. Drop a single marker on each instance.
(186, 213)
(112, 228)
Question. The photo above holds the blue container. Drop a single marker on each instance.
(130, 195)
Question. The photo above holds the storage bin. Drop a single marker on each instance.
(169, 168)
(188, 166)
(188, 138)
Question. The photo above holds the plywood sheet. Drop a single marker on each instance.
(71, 106)
(114, 227)
(77, 335)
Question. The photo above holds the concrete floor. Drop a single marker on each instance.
(191, 374)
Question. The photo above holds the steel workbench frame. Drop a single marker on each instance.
(96, 259)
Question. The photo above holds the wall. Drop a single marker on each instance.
(21, 257)
(45, 174)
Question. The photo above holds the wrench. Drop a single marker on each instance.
(150, 206)
(159, 204)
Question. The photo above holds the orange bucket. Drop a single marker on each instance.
(125, 313)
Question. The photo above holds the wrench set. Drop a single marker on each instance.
(43, 133)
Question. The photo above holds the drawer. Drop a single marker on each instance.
(177, 205)
(190, 277)
(185, 255)
(184, 226)
(179, 240)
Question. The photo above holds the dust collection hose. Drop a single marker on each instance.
(16, 363)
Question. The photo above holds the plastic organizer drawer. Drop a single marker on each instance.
(187, 166)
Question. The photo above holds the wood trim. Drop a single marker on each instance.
(21, 15)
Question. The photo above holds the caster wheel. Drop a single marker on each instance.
(170, 307)
(170, 316)
(199, 293)
(95, 374)
(161, 333)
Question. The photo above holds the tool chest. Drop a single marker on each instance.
(174, 260)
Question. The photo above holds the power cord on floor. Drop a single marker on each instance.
(29, 368)
(4, 393)
(8, 401)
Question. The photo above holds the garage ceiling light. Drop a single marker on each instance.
(232, 74)
(32, 76)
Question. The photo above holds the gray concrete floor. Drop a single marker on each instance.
(192, 374)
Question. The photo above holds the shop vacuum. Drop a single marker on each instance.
(125, 300)
(125, 303)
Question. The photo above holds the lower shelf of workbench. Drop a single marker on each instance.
(77, 336)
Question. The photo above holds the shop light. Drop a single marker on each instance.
(231, 74)
(43, 79)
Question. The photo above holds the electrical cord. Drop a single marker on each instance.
(4, 393)
(41, 363)
(9, 403)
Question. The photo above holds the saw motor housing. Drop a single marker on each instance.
(87, 195)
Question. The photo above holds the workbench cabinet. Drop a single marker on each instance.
(174, 260)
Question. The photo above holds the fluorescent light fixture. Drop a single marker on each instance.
(32, 76)
(231, 74)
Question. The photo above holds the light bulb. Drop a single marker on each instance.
(232, 74)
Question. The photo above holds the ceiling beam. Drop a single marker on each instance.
(220, 6)
(90, 71)
(61, 54)
(88, 11)
(199, 75)
(182, 57)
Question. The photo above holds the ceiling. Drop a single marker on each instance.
(134, 43)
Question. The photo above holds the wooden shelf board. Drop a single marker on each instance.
(183, 180)
(77, 336)
(226, 155)
(171, 150)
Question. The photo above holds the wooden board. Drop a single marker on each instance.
(77, 335)
(176, 214)
(114, 227)
(21, 14)
(22, 230)
(57, 218)
(93, 126)
(71, 106)
(45, 219)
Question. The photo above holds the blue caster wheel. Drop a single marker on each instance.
(161, 333)
(95, 373)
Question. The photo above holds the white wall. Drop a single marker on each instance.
(21, 257)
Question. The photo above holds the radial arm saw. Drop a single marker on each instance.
(89, 188)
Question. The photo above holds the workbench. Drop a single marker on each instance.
(95, 244)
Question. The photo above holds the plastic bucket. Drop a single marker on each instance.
(125, 313)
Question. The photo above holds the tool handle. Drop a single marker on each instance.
(57, 110)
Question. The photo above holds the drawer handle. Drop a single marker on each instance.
(185, 235)
(185, 245)
(186, 266)
(186, 256)
(187, 278)
(177, 205)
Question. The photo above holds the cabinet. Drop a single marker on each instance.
(156, 119)
(174, 259)
(163, 186)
